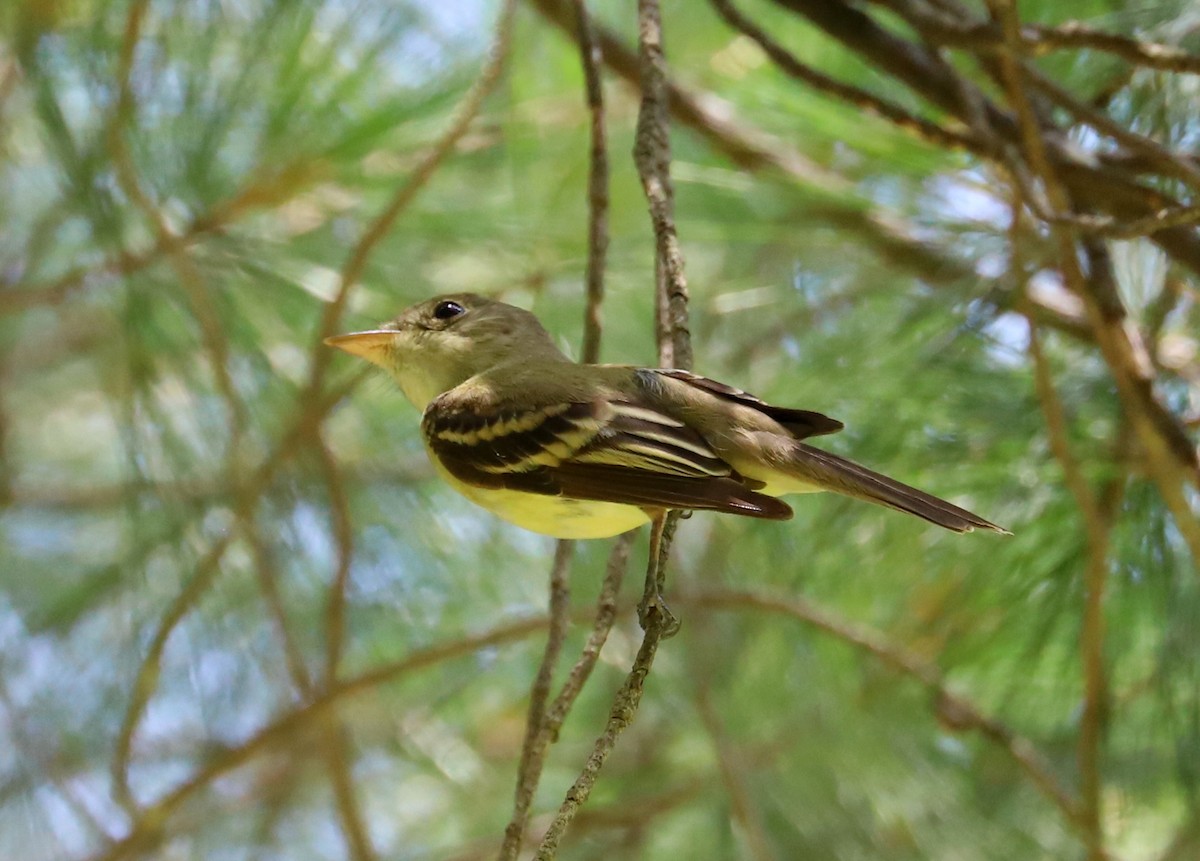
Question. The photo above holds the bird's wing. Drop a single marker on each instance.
(605, 449)
(799, 423)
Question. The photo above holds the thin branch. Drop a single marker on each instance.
(542, 723)
(750, 148)
(1093, 184)
(553, 716)
(1154, 155)
(356, 262)
(652, 155)
(591, 58)
(146, 828)
(956, 710)
(335, 744)
(308, 416)
(1073, 34)
(343, 539)
(864, 100)
(1091, 638)
(1108, 227)
(730, 764)
(1038, 40)
(624, 707)
(269, 187)
(267, 574)
(337, 748)
(1056, 428)
(206, 571)
(606, 613)
(556, 713)
(537, 740)
(1171, 456)
(1092, 631)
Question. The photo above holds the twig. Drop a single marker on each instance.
(1123, 228)
(542, 722)
(862, 99)
(954, 709)
(269, 187)
(624, 707)
(1092, 631)
(338, 745)
(356, 262)
(146, 828)
(336, 749)
(147, 675)
(606, 613)
(1093, 185)
(1091, 637)
(730, 765)
(750, 148)
(537, 740)
(1171, 456)
(267, 574)
(1070, 35)
(343, 539)
(207, 568)
(652, 156)
(216, 343)
(591, 59)
(1155, 155)
(556, 713)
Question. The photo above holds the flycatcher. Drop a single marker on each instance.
(589, 451)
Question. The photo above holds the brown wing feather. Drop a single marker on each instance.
(647, 490)
(800, 423)
(601, 450)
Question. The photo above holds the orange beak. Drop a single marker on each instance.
(369, 345)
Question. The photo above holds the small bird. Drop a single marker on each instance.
(590, 451)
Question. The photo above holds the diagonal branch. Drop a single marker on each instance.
(356, 263)
(146, 830)
(864, 100)
(1091, 184)
(752, 149)
(1038, 39)
(954, 709)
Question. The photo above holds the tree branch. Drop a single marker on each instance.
(954, 709)
(652, 155)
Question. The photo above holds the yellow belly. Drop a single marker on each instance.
(556, 516)
(551, 515)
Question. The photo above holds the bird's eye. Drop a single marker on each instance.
(448, 310)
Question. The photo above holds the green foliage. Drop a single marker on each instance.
(158, 474)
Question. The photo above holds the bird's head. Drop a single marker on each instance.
(437, 344)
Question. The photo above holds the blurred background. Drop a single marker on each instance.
(240, 619)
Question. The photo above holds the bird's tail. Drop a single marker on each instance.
(831, 472)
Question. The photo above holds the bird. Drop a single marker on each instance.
(576, 450)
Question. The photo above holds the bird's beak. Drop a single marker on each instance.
(370, 345)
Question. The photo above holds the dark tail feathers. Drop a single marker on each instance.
(849, 478)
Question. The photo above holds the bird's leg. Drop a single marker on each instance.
(652, 604)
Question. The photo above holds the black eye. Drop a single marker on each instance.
(448, 310)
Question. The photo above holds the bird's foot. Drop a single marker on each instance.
(653, 611)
